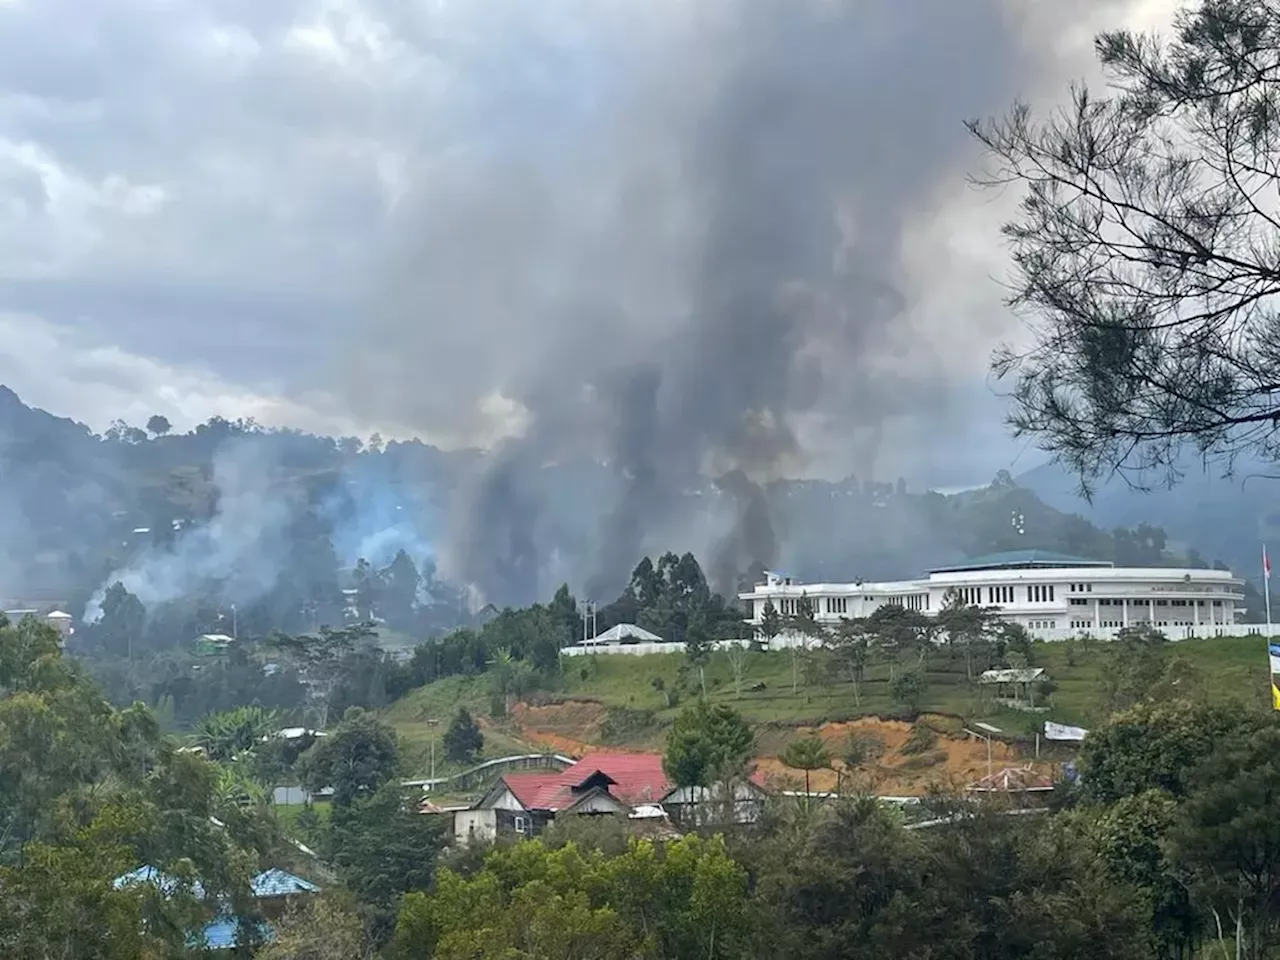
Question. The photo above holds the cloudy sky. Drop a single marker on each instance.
(213, 206)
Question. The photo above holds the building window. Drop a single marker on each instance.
(522, 825)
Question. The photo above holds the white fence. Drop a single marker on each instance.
(780, 642)
(786, 641)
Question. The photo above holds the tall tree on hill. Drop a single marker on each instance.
(369, 590)
(708, 742)
(804, 624)
(968, 627)
(852, 644)
(158, 425)
(123, 618)
(807, 754)
(400, 582)
(356, 759)
(770, 622)
(697, 648)
(1142, 255)
(463, 741)
(321, 659)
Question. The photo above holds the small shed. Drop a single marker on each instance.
(624, 633)
(1026, 786)
(1015, 686)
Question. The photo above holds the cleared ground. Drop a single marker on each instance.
(624, 702)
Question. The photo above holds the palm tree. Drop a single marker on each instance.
(807, 754)
(223, 735)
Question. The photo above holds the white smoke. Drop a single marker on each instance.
(242, 548)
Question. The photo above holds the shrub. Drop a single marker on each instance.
(920, 740)
(621, 724)
(923, 761)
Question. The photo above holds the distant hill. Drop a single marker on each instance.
(1221, 518)
(76, 508)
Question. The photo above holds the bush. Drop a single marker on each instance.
(923, 761)
(861, 748)
(624, 723)
(920, 740)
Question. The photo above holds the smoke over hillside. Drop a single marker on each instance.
(677, 248)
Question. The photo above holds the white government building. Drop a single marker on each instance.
(1054, 597)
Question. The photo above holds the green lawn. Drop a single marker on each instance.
(1229, 667)
(410, 715)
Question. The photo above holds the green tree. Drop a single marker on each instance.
(357, 758)
(851, 643)
(909, 688)
(697, 649)
(463, 741)
(224, 735)
(1135, 664)
(807, 754)
(382, 847)
(400, 583)
(158, 425)
(1132, 838)
(321, 660)
(1228, 836)
(1140, 250)
(319, 928)
(1153, 746)
(120, 628)
(770, 621)
(707, 743)
(969, 627)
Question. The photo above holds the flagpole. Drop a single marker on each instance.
(1266, 585)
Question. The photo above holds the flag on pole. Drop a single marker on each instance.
(1266, 564)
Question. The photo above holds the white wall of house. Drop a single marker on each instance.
(506, 800)
(480, 825)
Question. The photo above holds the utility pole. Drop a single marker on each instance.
(433, 724)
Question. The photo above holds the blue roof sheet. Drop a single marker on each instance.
(1021, 558)
(163, 881)
(221, 934)
(278, 883)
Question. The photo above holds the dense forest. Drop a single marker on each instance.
(1165, 846)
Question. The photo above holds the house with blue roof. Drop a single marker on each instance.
(272, 891)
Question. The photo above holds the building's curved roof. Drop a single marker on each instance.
(1021, 559)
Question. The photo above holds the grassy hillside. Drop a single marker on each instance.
(622, 700)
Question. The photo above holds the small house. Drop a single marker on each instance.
(522, 804)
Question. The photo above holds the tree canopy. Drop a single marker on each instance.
(1143, 249)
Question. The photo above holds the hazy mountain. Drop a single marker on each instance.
(234, 513)
(1222, 518)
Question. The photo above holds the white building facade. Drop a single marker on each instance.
(1054, 597)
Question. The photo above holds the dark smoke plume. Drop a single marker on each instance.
(680, 254)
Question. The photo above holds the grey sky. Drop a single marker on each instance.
(270, 209)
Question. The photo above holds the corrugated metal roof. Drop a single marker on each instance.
(221, 934)
(278, 883)
(635, 778)
(624, 630)
(1012, 675)
(1013, 780)
(1021, 558)
(165, 883)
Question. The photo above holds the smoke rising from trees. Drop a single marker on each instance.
(678, 251)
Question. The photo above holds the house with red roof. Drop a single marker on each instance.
(1023, 786)
(600, 784)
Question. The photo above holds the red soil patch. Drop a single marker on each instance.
(961, 760)
(571, 727)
